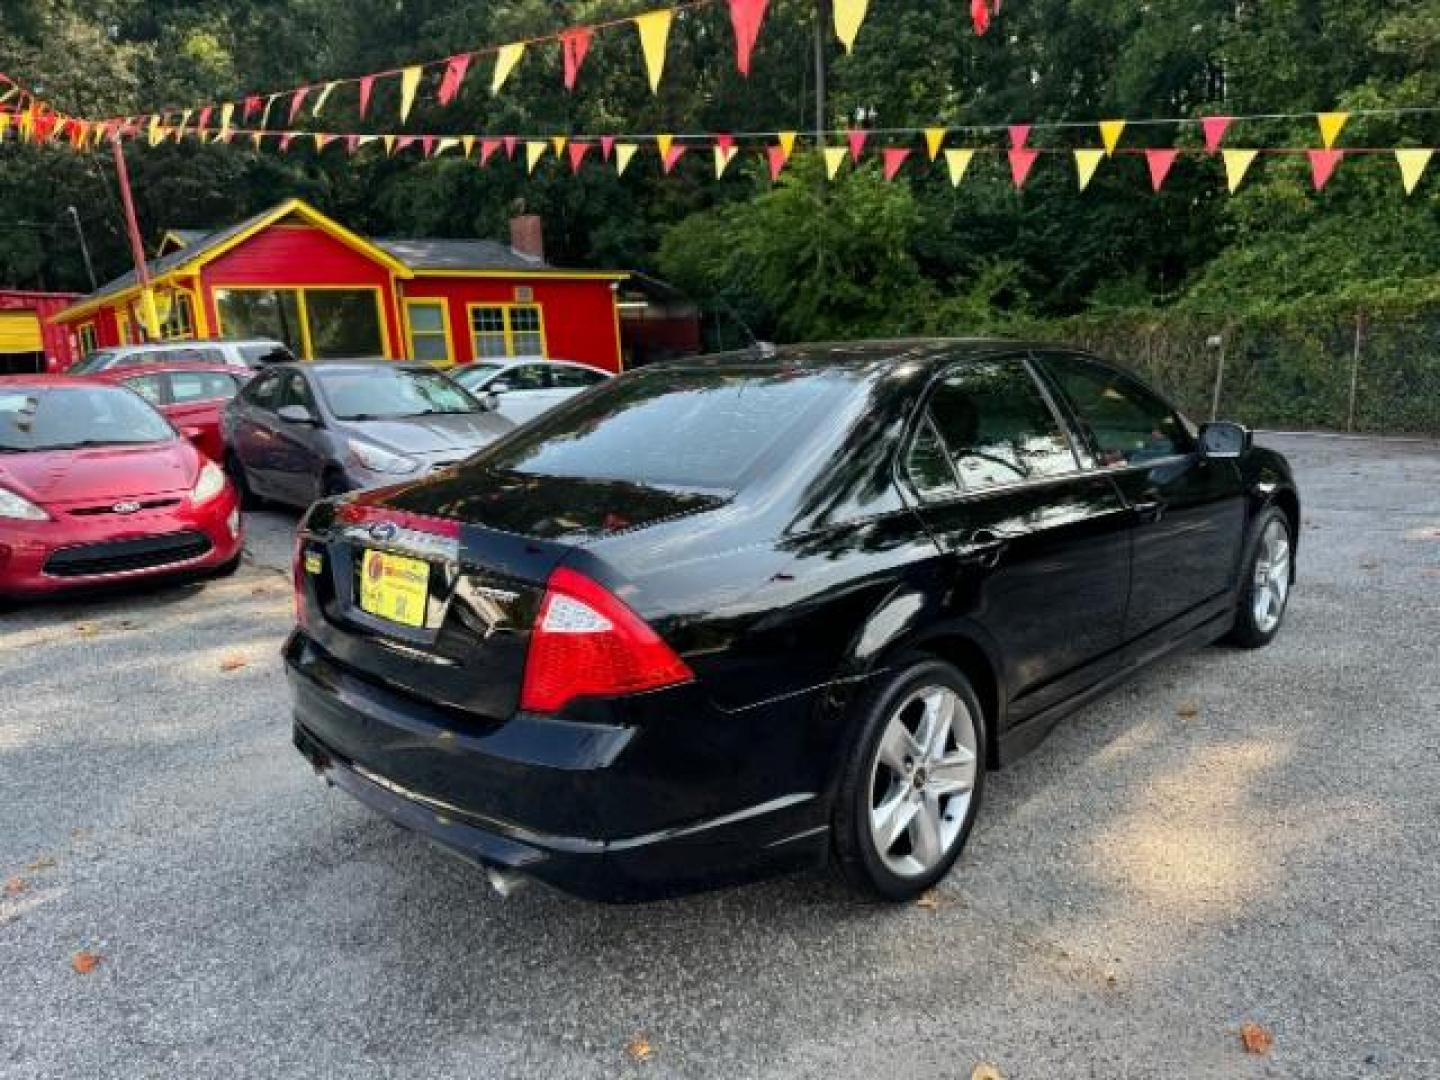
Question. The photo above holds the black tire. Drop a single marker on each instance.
(248, 499)
(1249, 632)
(228, 569)
(857, 854)
(332, 484)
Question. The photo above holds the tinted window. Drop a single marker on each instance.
(54, 419)
(927, 464)
(526, 377)
(474, 376)
(571, 378)
(682, 428)
(382, 393)
(294, 390)
(1126, 422)
(264, 392)
(189, 386)
(997, 427)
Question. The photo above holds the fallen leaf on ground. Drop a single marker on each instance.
(930, 900)
(1188, 712)
(1256, 1039)
(44, 862)
(233, 663)
(85, 630)
(261, 590)
(639, 1049)
(986, 1071)
(15, 886)
(85, 962)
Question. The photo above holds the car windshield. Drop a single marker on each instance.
(63, 418)
(476, 375)
(381, 393)
(687, 428)
(95, 361)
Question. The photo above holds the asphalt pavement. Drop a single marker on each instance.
(1232, 838)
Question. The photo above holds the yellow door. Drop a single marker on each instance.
(20, 332)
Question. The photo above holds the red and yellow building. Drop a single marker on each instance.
(295, 275)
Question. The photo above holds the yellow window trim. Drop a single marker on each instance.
(430, 301)
(507, 307)
(527, 275)
(90, 330)
(307, 346)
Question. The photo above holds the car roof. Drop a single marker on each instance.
(349, 365)
(516, 361)
(51, 382)
(884, 354)
(120, 374)
(196, 343)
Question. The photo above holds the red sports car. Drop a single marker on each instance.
(96, 487)
(191, 396)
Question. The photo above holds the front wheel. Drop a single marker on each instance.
(1268, 567)
(248, 499)
(912, 787)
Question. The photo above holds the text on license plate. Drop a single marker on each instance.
(394, 587)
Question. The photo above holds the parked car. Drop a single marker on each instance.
(191, 396)
(96, 487)
(246, 355)
(298, 432)
(525, 387)
(722, 619)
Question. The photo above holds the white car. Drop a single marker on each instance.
(247, 355)
(525, 387)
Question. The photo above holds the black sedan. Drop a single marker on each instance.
(722, 619)
(301, 431)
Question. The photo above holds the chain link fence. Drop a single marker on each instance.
(1348, 370)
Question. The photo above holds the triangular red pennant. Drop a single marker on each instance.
(404, 142)
(453, 78)
(725, 142)
(1160, 162)
(894, 158)
(1019, 135)
(1021, 161)
(367, 84)
(1322, 166)
(510, 141)
(575, 44)
(673, 155)
(980, 15)
(252, 106)
(607, 146)
(296, 100)
(204, 121)
(577, 151)
(286, 140)
(487, 150)
(352, 143)
(857, 144)
(427, 145)
(1214, 128)
(746, 17)
(322, 140)
(777, 158)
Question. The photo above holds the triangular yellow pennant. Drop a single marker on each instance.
(4, 123)
(934, 140)
(834, 157)
(1110, 132)
(558, 142)
(155, 133)
(534, 151)
(624, 154)
(445, 144)
(663, 143)
(1330, 125)
(227, 113)
(258, 138)
(409, 83)
(654, 30)
(389, 145)
(787, 143)
(958, 161)
(723, 156)
(1086, 162)
(1237, 164)
(468, 143)
(1413, 164)
(505, 61)
(849, 14)
(323, 98)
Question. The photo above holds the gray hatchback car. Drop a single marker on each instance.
(299, 432)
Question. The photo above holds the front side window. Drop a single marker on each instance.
(67, 418)
(515, 330)
(574, 378)
(996, 426)
(264, 392)
(526, 377)
(191, 386)
(1126, 423)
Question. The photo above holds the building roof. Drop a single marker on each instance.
(460, 255)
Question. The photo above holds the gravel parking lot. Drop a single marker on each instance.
(1233, 837)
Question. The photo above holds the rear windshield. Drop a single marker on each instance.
(66, 418)
(95, 361)
(690, 428)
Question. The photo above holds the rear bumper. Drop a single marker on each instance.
(576, 771)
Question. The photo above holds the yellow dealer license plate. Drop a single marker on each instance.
(395, 588)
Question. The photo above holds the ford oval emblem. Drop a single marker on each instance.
(384, 531)
(126, 508)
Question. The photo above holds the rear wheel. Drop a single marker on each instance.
(333, 483)
(1265, 589)
(912, 787)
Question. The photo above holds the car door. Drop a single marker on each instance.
(298, 451)
(1189, 511)
(195, 401)
(252, 433)
(1038, 544)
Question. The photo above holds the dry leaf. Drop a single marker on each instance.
(1255, 1039)
(85, 630)
(15, 886)
(44, 862)
(986, 1071)
(233, 663)
(639, 1049)
(1188, 712)
(85, 962)
(929, 900)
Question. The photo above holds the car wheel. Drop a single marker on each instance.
(1268, 567)
(248, 499)
(228, 568)
(912, 787)
(334, 483)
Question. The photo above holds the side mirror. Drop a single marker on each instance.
(295, 414)
(1223, 441)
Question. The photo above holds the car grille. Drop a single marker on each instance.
(97, 511)
(120, 556)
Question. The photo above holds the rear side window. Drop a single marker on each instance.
(996, 426)
(191, 386)
(150, 387)
(1127, 423)
(694, 429)
(571, 378)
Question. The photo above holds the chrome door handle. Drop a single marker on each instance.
(1153, 510)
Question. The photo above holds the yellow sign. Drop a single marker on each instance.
(395, 588)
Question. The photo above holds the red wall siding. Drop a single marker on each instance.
(60, 345)
(579, 314)
(288, 255)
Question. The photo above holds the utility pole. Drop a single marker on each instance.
(822, 22)
(84, 247)
(149, 314)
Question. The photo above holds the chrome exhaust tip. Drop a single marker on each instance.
(504, 882)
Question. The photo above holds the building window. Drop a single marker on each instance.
(315, 324)
(429, 331)
(508, 330)
(89, 340)
(179, 321)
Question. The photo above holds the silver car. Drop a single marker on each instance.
(525, 387)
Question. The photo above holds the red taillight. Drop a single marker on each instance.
(587, 643)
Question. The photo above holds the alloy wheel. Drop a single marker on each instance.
(1271, 586)
(922, 781)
